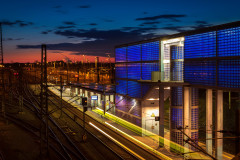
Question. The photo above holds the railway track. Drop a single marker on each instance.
(95, 149)
(77, 115)
(65, 132)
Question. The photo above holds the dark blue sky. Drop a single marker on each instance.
(94, 27)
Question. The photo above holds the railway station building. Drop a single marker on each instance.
(161, 83)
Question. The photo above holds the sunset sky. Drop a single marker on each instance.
(75, 28)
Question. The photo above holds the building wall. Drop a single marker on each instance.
(133, 63)
(213, 58)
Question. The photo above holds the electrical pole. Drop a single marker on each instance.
(61, 90)
(44, 150)
(2, 75)
(20, 81)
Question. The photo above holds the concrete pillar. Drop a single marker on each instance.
(76, 91)
(83, 93)
(219, 125)
(187, 113)
(209, 120)
(161, 114)
(99, 100)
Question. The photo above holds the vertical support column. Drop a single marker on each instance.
(187, 113)
(76, 91)
(161, 114)
(176, 115)
(237, 130)
(209, 120)
(219, 124)
(104, 100)
(2, 73)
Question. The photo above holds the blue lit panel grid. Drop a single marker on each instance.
(200, 72)
(177, 71)
(195, 97)
(150, 51)
(194, 118)
(194, 136)
(121, 70)
(120, 54)
(121, 88)
(134, 53)
(147, 69)
(134, 89)
(134, 71)
(176, 96)
(229, 42)
(200, 45)
(177, 137)
(229, 73)
(176, 117)
(177, 52)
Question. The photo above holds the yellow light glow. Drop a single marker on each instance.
(143, 144)
(166, 61)
(173, 40)
(117, 142)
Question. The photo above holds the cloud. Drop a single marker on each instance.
(13, 39)
(104, 34)
(175, 28)
(69, 23)
(65, 27)
(46, 32)
(93, 24)
(17, 22)
(99, 41)
(201, 24)
(149, 23)
(84, 6)
(173, 17)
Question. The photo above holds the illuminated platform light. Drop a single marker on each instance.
(143, 144)
(117, 142)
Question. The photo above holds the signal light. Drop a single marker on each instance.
(84, 101)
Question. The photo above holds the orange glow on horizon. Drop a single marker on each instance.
(35, 55)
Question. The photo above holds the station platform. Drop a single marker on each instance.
(138, 135)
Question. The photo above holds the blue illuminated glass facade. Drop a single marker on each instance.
(121, 54)
(139, 63)
(121, 70)
(208, 57)
(200, 72)
(200, 45)
(134, 53)
(150, 51)
(229, 42)
(147, 69)
(223, 47)
(229, 73)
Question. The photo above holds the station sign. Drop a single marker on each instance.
(94, 97)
